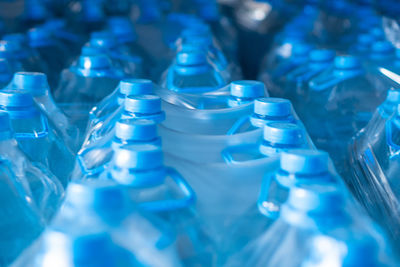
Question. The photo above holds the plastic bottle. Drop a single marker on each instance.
(340, 102)
(44, 188)
(373, 155)
(123, 29)
(115, 100)
(122, 57)
(36, 84)
(85, 84)
(312, 210)
(274, 78)
(296, 81)
(99, 225)
(135, 107)
(52, 52)
(296, 167)
(94, 159)
(192, 73)
(35, 135)
(15, 48)
(20, 220)
(163, 192)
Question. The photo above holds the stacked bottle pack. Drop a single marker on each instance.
(132, 134)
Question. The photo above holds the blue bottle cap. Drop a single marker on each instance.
(34, 82)
(144, 104)
(272, 107)
(15, 98)
(382, 47)
(122, 28)
(88, 50)
(301, 49)
(304, 161)
(283, 133)
(100, 195)
(5, 124)
(365, 39)
(138, 157)
(347, 62)
(247, 89)
(136, 130)
(55, 24)
(191, 58)
(96, 62)
(198, 29)
(136, 87)
(322, 55)
(39, 35)
(393, 95)
(325, 198)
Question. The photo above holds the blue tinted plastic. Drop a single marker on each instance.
(164, 192)
(36, 137)
(20, 220)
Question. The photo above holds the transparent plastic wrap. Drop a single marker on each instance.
(216, 141)
(191, 72)
(21, 222)
(373, 157)
(45, 188)
(35, 135)
(92, 160)
(311, 211)
(163, 192)
(84, 85)
(99, 224)
(340, 101)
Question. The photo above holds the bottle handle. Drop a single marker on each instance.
(37, 135)
(236, 126)
(262, 198)
(172, 204)
(327, 81)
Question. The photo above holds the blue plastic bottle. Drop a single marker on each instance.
(99, 225)
(340, 102)
(296, 167)
(35, 135)
(20, 56)
(94, 159)
(309, 212)
(52, 52)
(121, 56)
(45, 189)
(62, 32)
(115, 100)
(192, 73)
(123, 29)
(36, 84)
(20, 221)
(135, 107)
(274, 78)
(163, 192)
(297, 80)
(374, 157)
(85, 84)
